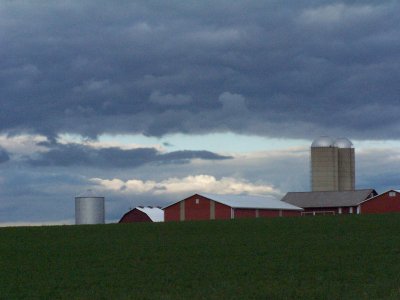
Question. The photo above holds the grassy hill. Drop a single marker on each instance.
(342, 257)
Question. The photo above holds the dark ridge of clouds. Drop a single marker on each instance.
(4, 156)
(284, 69)
(67, 155)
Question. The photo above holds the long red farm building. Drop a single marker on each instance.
(218, 207)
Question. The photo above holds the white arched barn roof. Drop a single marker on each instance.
(156, 214)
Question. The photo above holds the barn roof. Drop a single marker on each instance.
(248, 201)
(156, 214)
(328, 199)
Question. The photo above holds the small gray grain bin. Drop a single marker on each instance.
(89, 209)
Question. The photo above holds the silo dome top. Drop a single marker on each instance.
(323, 141)
(343, 143)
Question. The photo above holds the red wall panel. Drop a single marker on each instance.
(291, 213)
(197, 210)
(244, 213)
(222, 212)
(172, 213)
(268, 213)
(382, 204)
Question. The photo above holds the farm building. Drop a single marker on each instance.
(384, 203)
(211, 207)
(332, 202)
(143, 214)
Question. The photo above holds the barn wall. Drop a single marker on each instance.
(197, 210)
(328, 210)
(244, 213)
(382, 204)
(135, 215)
(262, 213)
(291, 213)
(321, 210)
(222, 212)
(172, 213)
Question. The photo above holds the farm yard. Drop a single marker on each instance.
(327, 257)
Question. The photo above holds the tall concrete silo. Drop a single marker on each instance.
(89, 209)
(332, 164)
(346, 167)
(324, 165)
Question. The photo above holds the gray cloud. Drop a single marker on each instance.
(158, 98)
(4, 156)
(66, 155)
(299, 69)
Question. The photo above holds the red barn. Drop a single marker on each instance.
(211, 207)
(384, 203)
(143, 214)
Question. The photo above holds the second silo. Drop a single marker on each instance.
(346, 164)
(89, 209)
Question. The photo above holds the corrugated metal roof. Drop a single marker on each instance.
(156, 214)
(249, 201)
(328, 199)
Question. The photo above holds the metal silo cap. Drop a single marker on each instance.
(323, 141)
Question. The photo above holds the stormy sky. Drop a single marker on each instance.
(147, 101)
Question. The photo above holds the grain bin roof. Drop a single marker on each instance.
(248, 201)
(328, 199)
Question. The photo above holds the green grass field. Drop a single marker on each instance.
(341, 257)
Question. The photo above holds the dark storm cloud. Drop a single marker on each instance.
(66, 155)
(262, 67)
(4, 156)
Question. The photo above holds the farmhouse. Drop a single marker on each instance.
(332, 202)
(212, 206)
(143, 214)
(384, 203)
